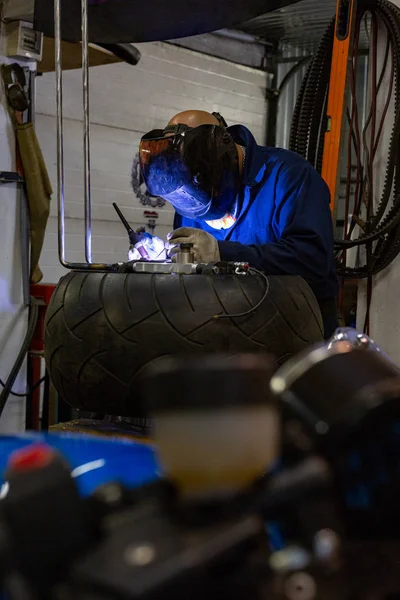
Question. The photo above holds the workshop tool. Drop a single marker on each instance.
(135, 238)
(175, 537)
(14, 83)
(346, 12)
(223, 525)
(358, 340)
(184, 262)
(185, 254)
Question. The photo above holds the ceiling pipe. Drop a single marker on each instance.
(241, 36)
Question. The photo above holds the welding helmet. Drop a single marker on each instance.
(195, 168)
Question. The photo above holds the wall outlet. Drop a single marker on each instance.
(23, 41)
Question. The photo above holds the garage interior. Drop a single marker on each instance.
(165, 418)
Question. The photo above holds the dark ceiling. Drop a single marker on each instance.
(301, 24)
(294, 26)
(113, 21)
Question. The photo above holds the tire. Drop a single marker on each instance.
(105, 331)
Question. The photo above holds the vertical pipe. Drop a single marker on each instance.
(272, 97)
(86, 130)
(29, 398)
(45, 420)
(88, 265)
(60, 133)
(32, 96)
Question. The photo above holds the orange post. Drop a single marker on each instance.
(337, 99)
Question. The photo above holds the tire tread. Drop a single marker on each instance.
(105, 332)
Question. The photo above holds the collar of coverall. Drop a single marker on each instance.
(253, 170)
(254, 166)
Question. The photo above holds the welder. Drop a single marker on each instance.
(237, 201)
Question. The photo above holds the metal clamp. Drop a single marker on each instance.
(185, 254)
(10, 177)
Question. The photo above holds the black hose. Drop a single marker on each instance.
(310, 111)
(318, 118)
(383, 227)
(30, 390)
(33, 318)
(301, 63)
(297, 110)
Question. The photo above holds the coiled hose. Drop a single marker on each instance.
(309, 117)
(380, 229)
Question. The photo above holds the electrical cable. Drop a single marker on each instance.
(301, 63)
(253, 308)
(379, 228)
(25, 394)
(32, 322)
(358, 193)
(384, 251)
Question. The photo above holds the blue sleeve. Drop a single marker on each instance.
(303, 226)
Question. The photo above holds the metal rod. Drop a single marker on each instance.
(32, 97)
(60, 134)
(86, 130)
(60, 155)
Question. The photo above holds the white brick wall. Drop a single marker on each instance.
(126, 102)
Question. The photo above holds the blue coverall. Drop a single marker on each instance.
(283, 224)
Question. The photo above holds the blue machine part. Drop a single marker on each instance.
(365, 472)
(372, 470)
(94, 462)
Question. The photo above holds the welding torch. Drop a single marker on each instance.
(136, 238)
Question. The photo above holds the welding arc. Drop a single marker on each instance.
(380, 229)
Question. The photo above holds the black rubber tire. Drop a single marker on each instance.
(104, 331)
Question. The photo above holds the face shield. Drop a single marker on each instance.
(195, 169)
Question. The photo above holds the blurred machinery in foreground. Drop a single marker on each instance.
(282, 485)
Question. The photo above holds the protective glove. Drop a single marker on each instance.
(205, 246)
(155, 248)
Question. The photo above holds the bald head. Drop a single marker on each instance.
(194, 118)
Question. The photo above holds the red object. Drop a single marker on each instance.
(36, 456)
(42, 292)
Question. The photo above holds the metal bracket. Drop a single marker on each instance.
(164, 268)
(10, 177)
(170, 268)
